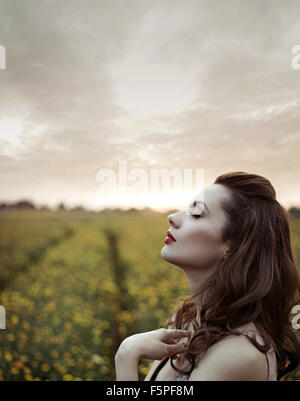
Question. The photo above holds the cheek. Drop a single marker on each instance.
(205, 235)
(197, 247)
(202, 244)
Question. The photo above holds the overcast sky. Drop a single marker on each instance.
(160, 84)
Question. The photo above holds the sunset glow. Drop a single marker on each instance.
(157, 84)
(10, 129)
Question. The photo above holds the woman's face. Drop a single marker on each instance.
(199, 243)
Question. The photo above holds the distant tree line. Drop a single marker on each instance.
(22, 204)
(295, 212)
(29, 205)
(25, 204)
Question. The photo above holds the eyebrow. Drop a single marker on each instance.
(198, 201)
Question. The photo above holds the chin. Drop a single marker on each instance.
(163, 252)
(167, 256)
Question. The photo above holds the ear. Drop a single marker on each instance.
(225, 250)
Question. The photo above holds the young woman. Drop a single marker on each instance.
(236, 325)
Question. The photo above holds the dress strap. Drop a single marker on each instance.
(158, 368)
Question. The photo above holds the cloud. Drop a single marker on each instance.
(159, 84)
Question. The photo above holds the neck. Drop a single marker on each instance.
(196, 278)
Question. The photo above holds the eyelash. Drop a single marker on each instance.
(196, 216)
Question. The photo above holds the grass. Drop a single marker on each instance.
(74, 285)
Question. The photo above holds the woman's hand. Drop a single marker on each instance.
(156, 344)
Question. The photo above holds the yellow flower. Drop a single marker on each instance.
(45, 367)
(67, 377)
(26, 326)
(80, 362)
(77, 318)
(37, 338)
(96, 341)
(68, 326)
(108, 342)
(153, 301)
(71, 362)
(96, 332)
(48, 291)
(55, 320)
(61, 369)
(50, 307)
(23, 358)
(8, 356)
(75, 349)
(105, 325)
(54, 354)
(28, 377)
(14, 319)
(97, 359)
(104, 369)
(15, 371)
(123, 330)
(144, 370)
(125, 316)
(66, 355)
(23, 337)
(11, 337)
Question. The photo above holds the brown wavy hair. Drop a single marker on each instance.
(258, 282)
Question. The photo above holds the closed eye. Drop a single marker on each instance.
(196, 216)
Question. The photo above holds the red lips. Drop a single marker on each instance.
(169, 238)
(170, 235)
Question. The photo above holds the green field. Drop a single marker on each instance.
(74, 285)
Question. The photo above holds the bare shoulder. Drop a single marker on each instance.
(234, 358)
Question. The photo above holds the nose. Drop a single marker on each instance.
(171, 220)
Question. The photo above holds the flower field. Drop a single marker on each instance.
(74, 285)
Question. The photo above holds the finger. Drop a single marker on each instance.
(177, 333)
(171, 340)
(174, 348)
